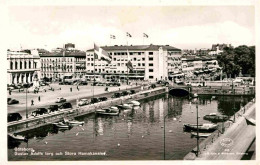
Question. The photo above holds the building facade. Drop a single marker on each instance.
(150, 62)
(190, 64)
(23, 66)
(56, 65)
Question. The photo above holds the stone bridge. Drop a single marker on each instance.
(179, 90)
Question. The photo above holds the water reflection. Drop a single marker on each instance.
(138, 130)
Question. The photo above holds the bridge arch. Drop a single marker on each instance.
(179, 92)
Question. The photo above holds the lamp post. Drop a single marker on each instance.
(197, 154)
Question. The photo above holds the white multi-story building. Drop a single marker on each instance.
(56, 65)
(23, 66)
(150, 62)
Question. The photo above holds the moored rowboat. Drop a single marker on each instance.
(201, 127)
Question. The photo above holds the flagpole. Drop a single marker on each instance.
(94, 72)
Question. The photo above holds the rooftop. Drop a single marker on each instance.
(67, 54)
(137, 47)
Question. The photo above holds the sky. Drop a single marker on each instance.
(185, 27)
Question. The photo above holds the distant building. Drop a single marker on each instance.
(23, 66)
(218, 48)
(150, 62)
(190, 64)
(203, 52)
(57, 64)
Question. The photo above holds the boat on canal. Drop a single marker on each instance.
(216, 117)
(112, 111)
(202, 135)
(134, 103)
(16, 137)
(73, 122)
(61, 125)
(206, 127)
(125, 106)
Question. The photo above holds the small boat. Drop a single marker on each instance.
(61, 125)
(134, 103)
(125, 106)
(17, 137)
(215, 117)
(201, 127)
(73, 122)
(107, 111)
(203, 135)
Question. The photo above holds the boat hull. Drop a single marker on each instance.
(217, 118)
(201, 128)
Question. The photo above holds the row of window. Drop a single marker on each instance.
(23, 65)
(57, 60)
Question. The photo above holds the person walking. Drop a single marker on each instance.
(32, 102)
(70, 89)
(78, 88)
(10, 92)
(39, 98)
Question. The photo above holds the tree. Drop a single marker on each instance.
(241, 58)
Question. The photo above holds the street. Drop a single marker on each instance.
(49, 97)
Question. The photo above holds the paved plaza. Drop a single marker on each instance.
(49, 97)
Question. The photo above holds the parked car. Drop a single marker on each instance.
(12, 101)
(13, 117)
(53, 108)
(83, 83)
(60, 100)
(39, 111)
(159, 81)
(165, 83)
(132, 92)
(83, 102)
(102, 98)
(152, 86)
(179, 82)
(65, 105)
(124, 93)
(116, 95)
(94, 100)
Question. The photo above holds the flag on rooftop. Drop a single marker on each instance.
(129, 63)
(128, 34)
(145, 35)
(101, 54)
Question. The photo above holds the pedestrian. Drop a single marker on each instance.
(78, 88)
(32, 102)
(39, 98)
(70, 89)
(10, 92)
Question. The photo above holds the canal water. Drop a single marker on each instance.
(136, 134)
